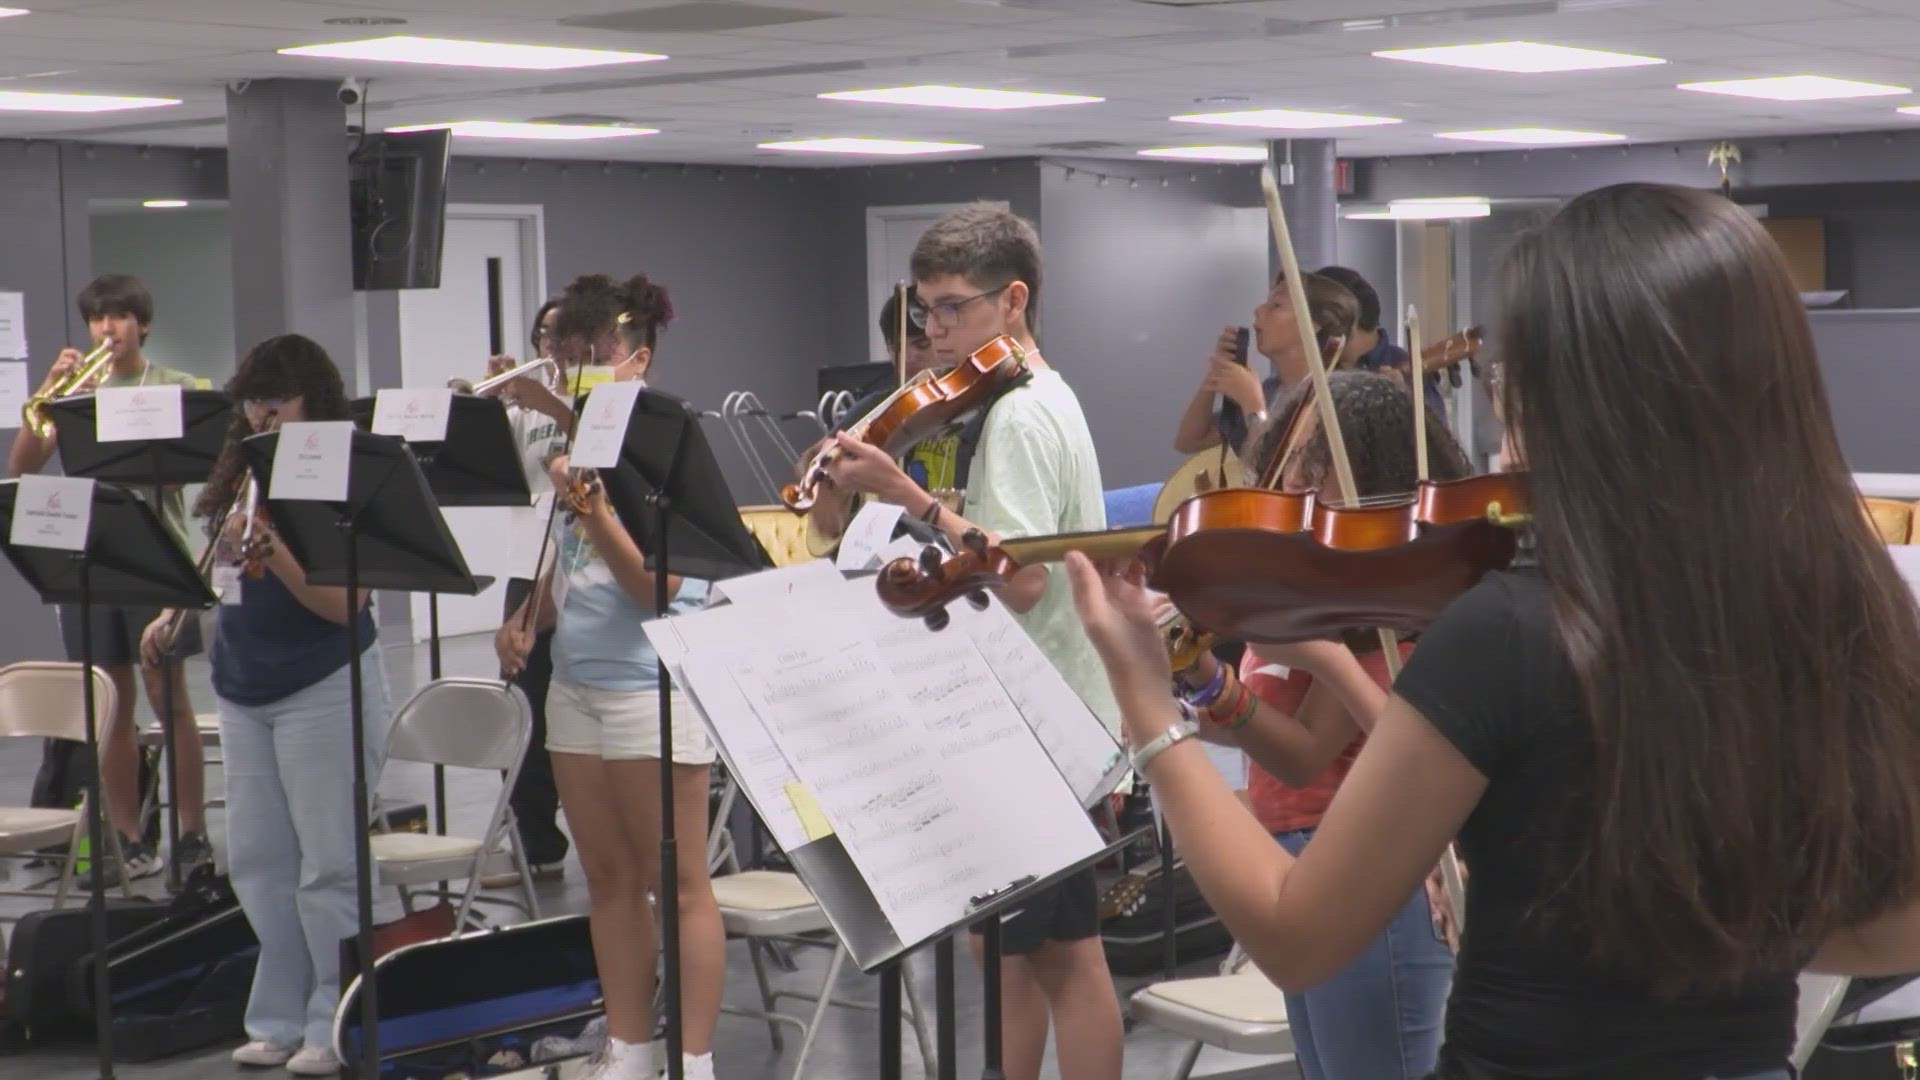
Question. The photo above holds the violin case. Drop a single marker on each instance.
(476, 1005)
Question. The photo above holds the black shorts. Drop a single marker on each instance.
(117, 630)
(1068, 911)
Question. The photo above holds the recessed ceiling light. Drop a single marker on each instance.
(1290, 119)
(9, 12)
(452, 52)
(884, 147)
(164, 204)
(1795, 88)
(1519, 56)
(1208, 153)
(1427, 210)
(28, 101)
(1910, 110)
(961, 97)
(1532, 136)
(518, 129)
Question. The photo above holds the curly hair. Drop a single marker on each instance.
(1376, 417)
(637, 308)
(284, 367)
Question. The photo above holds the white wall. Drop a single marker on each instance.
(184, 256)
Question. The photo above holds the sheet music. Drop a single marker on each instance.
(1906, 557)
(755, 760)
(1079, 744)
(931, 822)
(773, 585)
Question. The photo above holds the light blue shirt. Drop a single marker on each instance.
(599, 642)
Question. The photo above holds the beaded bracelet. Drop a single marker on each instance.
(1207, 694)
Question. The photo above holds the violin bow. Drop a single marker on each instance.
(1317, 366)
(900, 348)
(1450, 874)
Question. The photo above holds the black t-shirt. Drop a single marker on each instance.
(1527, 1000)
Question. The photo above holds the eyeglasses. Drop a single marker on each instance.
(268, 404)
(947, 314)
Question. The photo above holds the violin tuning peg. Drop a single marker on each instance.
(975, 541)
(937, 619)
(978, 599)
(930, 559)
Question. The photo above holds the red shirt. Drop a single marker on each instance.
(1278, 807)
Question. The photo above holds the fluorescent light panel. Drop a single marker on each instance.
(1427, 210)
(1529, 57)
(1532, 136)
(1208, 153)
(862, 145)
(961, 97)
(1910, 110)
(164, 204)
(27, 101)
(1795, 88)
(9, 12)
(516, 129)
(453, 52)
(1284, 119)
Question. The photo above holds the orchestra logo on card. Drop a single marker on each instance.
(313, 441)
(53, 502)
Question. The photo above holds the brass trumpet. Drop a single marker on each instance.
(492, 383)
(34, 413)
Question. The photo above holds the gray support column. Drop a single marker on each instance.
(1307, 196)
(287, 187)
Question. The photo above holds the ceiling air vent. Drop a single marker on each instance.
(587, 119)
(1084, 146)
(712, 17)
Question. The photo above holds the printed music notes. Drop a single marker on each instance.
(919, 752)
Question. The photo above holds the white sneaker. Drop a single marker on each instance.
(313, 1061)
(697, 1067)
(624, 1061)
(262, 1054)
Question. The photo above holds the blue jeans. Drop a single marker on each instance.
(1381, 1018)
(289, 768)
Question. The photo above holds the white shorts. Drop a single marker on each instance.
(620, 725)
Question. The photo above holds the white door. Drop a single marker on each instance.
(892, 231)
(445, 334)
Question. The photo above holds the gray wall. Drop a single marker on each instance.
(1140, 279)
(185, 259)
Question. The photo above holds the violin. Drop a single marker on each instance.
(921, 407)
(582, 486)
(1454, 349)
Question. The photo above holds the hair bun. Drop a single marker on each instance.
(648, 302)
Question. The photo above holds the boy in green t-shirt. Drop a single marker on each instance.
(977, 276)
(118, 306)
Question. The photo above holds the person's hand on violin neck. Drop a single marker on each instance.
(1118, 612)
(864, 469)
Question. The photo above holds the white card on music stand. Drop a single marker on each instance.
(866, 535)
(312, 460)
(414, 415)
(52, 512)
(603, 425)
(138, 414)
(13, 392)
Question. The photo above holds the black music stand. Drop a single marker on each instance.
(476, 465)
(388, 534)
(669, 493)
(130, 558)
(153, 464)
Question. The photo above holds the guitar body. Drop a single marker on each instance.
(1208, 470)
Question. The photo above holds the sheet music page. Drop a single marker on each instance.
(773, 585)
(1079, 744)
(1087, 753)
(930, 822)
(757, 763)
(1906, 558)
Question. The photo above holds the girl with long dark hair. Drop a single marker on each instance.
(281, 674)
(1675, 751)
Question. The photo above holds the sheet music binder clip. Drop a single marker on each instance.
(990, 896)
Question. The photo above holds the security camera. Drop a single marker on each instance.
(352, 91)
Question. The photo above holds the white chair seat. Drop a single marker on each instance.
(413, 847)
(767, 903)
(1242, 1012)
(28, 828)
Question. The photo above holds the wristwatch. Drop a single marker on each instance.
(1181, 730)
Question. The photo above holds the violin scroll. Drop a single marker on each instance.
(922, 588)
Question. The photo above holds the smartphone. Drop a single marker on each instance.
(1242, 340)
